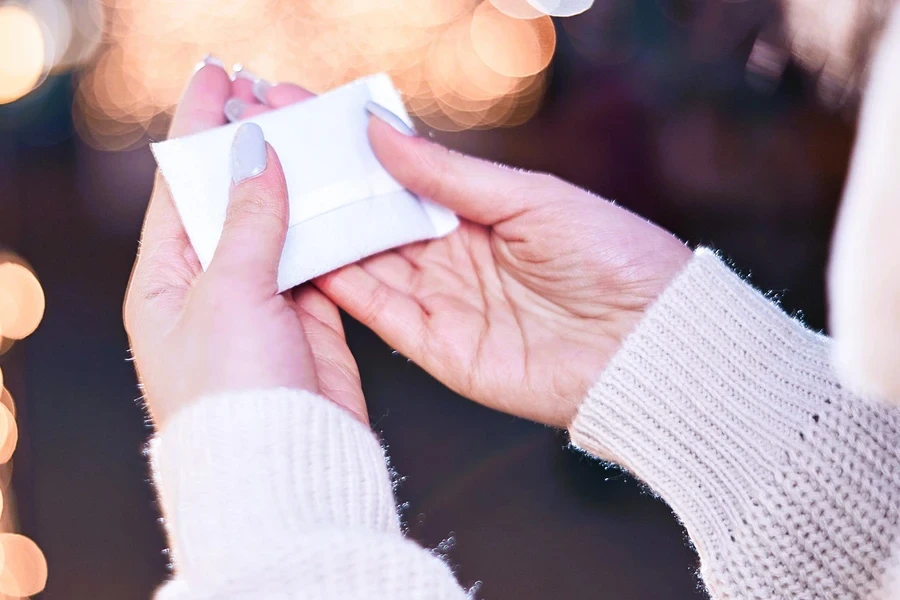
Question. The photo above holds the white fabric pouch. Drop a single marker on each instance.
(343, 205)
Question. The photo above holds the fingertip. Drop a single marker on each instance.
(256, 220)
(209, 78)
(339, 285)
(202, 103)
(267, 175)
(391, 145)
(274, 169)
(412, 160)
(273, 184)
(255, 163)
(472, 187)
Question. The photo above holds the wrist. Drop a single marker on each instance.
(265, 467)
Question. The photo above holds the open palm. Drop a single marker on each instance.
(520, 308)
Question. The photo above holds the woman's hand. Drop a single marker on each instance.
(194, 333)
(522, 307)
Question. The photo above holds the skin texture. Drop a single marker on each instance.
(522, 307)
(194, 333)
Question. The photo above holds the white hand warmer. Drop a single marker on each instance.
(343, 205)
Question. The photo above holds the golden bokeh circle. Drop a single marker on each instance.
(7, 400)
(22, 52)
(25, 567)
(455, 61)
(9, 435)
(21, 301)
(512, 47)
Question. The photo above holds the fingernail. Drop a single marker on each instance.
(234, 109)
(239, 71)
(380, 112)
(248, 152)
(261, 89)
(209, 59)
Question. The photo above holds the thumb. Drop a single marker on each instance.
(476, 189)
(257, 218)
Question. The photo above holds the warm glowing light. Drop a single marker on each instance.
(462, 63)
(9, 309)
(21, 52)
(9, 434)
(21, 301)
(86, 21)
(512, 47)
(479, 81)
(6, 399)
(56, 20)
(25, 568)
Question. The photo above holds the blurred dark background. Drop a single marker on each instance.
(645, 105)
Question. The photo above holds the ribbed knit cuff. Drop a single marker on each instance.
(728, 409)
(245, 474)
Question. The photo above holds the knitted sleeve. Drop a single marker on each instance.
(283, 495)
(787, 484)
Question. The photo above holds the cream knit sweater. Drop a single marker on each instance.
(788, 485)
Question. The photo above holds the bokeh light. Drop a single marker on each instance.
(512, 47)
(459, 64)
(22, 52)
(24, 568)
(21, 301)
(6, 399)
(9, 434)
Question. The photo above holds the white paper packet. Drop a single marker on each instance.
(343, 205)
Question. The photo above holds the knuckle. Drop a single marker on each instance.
(437, 170)
(253, 205)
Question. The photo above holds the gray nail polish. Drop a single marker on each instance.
(248, 152)
(242, 72)
(209, 59)
(234, 109)
(261, 89)
(376, 110)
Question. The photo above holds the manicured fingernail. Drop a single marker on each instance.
(209, 59)
(261, 89)
(234, 109)
(239, 71)
(248, 152)
(380, 112)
